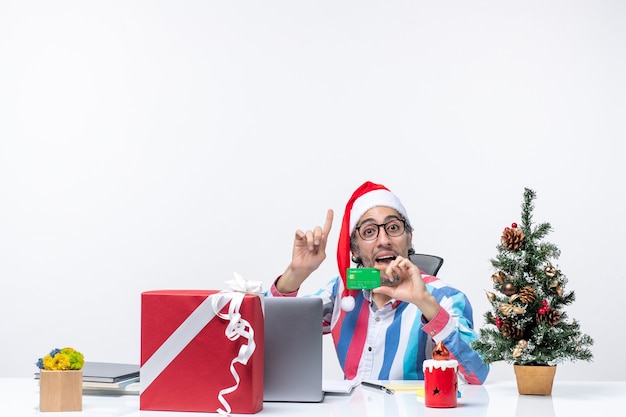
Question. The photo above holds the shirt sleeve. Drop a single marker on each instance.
(440, 326)
(273, 291)
(454, 326)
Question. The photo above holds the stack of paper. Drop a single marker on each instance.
(406, 386)
(343, 386)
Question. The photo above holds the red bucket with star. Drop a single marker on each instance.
(440, 383)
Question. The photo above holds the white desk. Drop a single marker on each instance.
(20, 397)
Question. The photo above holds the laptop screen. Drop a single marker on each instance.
(293, 349)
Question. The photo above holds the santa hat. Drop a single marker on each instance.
(367, 196)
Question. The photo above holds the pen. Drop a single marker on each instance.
(377, 386)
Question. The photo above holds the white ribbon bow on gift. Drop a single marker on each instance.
(241, 284)
(237, 327)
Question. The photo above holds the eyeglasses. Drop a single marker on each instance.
(393, 228)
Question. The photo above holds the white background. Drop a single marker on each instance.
(167, 144)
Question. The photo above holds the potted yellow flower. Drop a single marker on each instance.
(61, 380)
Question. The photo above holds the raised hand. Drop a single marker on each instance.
(309, 251)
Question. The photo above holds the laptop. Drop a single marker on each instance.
(293, 349)
(108, 372)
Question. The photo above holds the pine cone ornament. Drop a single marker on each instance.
(551, 317)
(512, 238)
(527, 294)
(510, 331)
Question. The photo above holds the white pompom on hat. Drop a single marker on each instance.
(367, 196)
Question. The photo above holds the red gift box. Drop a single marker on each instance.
(188, 363)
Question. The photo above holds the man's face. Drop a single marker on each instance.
(379, 252)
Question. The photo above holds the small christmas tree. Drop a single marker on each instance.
(528, 325)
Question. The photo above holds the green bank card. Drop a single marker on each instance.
(362, 278)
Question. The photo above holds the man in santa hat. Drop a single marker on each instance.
(385, 333)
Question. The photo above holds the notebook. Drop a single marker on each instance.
(293, 349)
